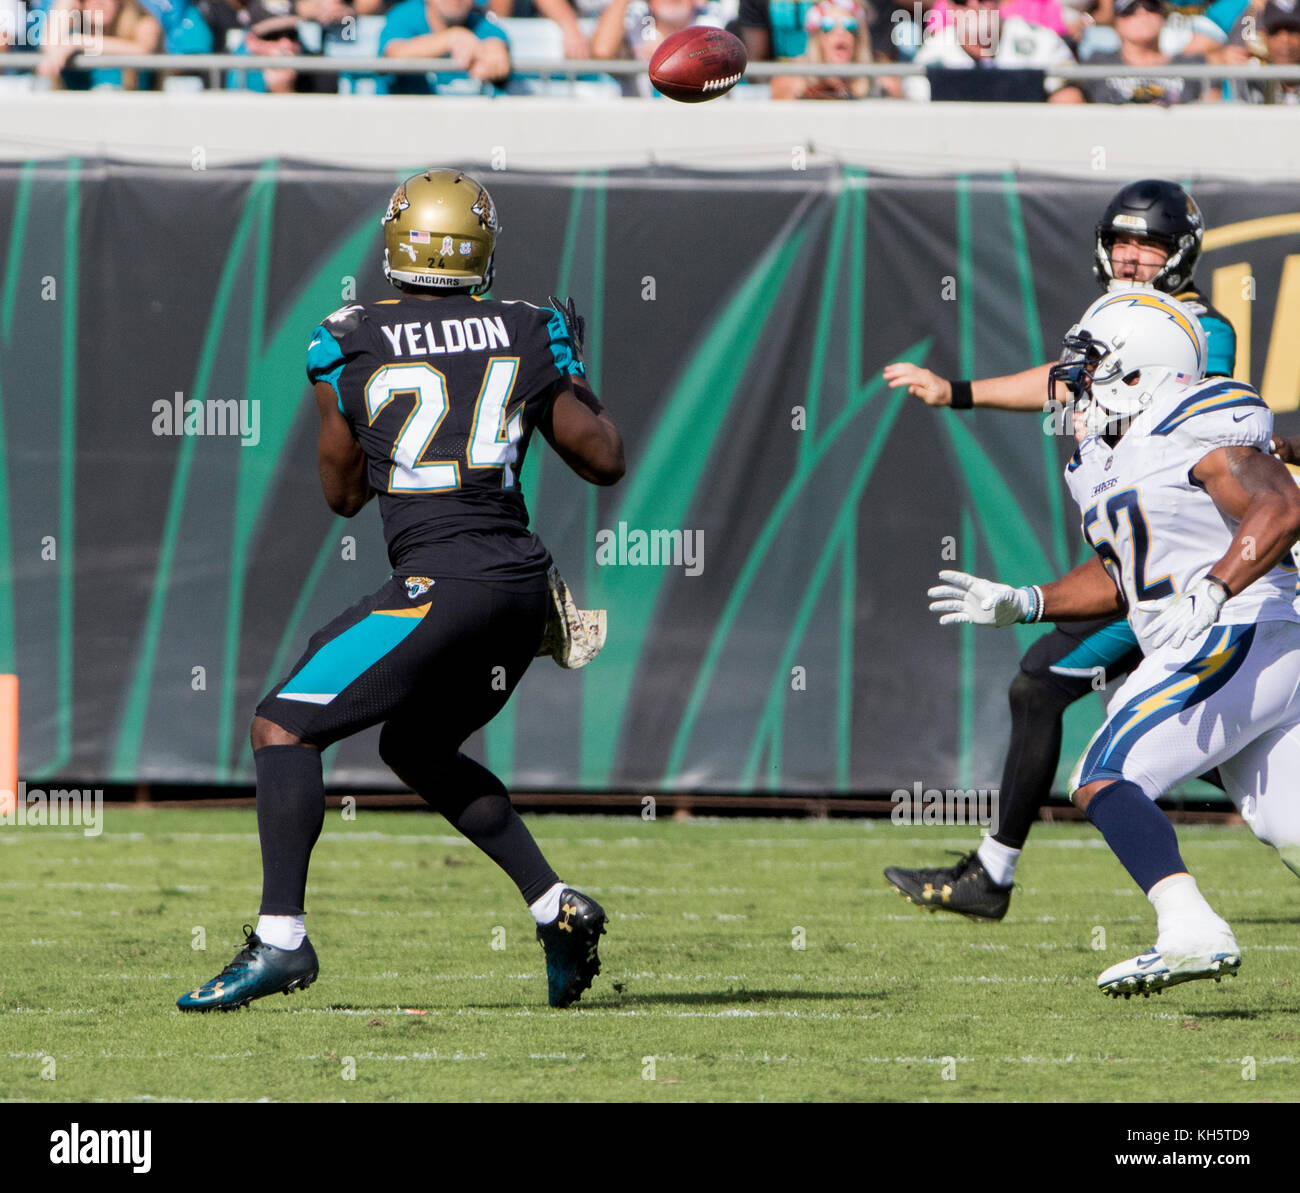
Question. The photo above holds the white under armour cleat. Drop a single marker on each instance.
(1215, 957)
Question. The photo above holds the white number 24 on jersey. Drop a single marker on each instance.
(494, 439)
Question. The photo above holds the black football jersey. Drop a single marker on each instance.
(443, 395)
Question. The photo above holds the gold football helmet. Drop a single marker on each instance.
(440, 231)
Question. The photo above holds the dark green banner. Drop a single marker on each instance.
(167, 551)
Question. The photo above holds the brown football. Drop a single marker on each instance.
(698, 63)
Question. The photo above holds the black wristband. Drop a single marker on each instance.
(1227, 592)
(962, 397)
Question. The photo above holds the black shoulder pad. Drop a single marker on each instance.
(345, 320)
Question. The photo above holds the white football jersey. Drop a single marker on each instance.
(1156, 529)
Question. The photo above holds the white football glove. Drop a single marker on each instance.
(1184, 616)
(573, 636)
(965, 598)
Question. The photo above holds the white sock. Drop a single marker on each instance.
(998, 860)
(282, 931)
(547, 908)
(1180, 905)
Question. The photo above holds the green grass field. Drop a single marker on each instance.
(703, 997)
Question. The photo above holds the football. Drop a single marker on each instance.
(698, 63)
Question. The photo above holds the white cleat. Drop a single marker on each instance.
(1154, 970)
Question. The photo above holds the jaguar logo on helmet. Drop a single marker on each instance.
(396, 205)
(486, 211)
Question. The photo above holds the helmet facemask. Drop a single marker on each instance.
(1124, 352)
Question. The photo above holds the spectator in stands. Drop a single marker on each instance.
(272, 37)
(1047, 13)
(183, 27)
(837, 33)
(13, 17)
(225, 16)
(1280, 21)
(1192, 28)
(777, 29)
(453, 29)
(1139, 24)
(980, 34)
(634, 29)
(325, 12)
(774, 29)
(562, 12)
(127, 29)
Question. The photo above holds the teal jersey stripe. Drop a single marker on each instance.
(344, 659)
(1221, 346)
(1108, 645)
(325, 360)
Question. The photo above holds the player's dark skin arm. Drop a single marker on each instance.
(1082, 594)
(1258, 492)
(584, 436)
(342, 462)
(1286, 450)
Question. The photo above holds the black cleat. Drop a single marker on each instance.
(569, 942)
(259, 969)
(965, 888)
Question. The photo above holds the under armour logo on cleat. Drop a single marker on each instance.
(566, 914)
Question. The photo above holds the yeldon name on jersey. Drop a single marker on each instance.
(458, 335)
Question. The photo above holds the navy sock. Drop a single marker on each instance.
(1138, 833)
(290, 815)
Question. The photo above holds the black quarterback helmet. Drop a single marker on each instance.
(1160, 211)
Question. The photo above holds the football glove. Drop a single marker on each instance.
(574, 323)
(573, 636)
(964, 598)
(1186, 615)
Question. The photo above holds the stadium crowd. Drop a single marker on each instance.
(973, 49)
